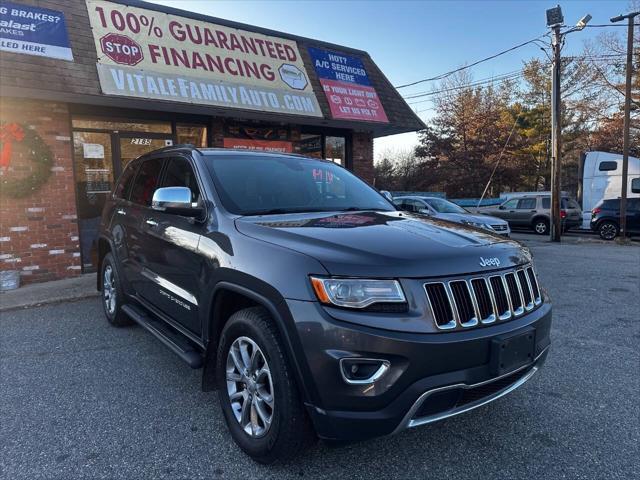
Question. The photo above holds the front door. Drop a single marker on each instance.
(99, 158)
(172, 265)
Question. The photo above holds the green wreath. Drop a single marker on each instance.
(10, 135)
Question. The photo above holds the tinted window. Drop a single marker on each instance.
(607, 166)
(635, 185)
(633, 204)
(546, 203)
(179, 173)
(146, 181)
(414, 206)
(613, 204)
(569, 203)
(259, 184)
(126, 180)
(527, 203)
(445, 206)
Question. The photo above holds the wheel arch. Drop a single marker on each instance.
(540, 217)
(104, 246)
(219, 313)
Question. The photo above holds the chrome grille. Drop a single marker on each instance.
(499, 228)
(483, 300)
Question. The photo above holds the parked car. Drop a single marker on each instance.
(446, 210)
(314, 306)
(605, 218)
(534, 211)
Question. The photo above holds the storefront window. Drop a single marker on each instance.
(192, 134)
(149, 126)
(309, 145)
(335, 149)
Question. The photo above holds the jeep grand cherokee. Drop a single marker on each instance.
(314, 307)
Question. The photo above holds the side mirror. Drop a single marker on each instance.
(386, 194)
(502, 207)
(175, 200)
(425, 211)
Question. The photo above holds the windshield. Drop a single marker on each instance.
(444, 206)
(271, 184)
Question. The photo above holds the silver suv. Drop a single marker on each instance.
(534, 211)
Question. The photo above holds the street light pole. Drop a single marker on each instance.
(555, 21)
(627, 120)
(556, 138)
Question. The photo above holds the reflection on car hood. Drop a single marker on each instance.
(383, 244)
(470, 217)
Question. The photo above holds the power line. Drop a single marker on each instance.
(494, 77)
(444, 75)
(501, 78)
(463, 87)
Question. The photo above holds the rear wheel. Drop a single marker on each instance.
(608, 230)
(257, 391)
(112, 294)
(541, 226)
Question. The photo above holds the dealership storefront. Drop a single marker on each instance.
(89, 85)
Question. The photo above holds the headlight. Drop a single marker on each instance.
(477, 224)
(356, 292)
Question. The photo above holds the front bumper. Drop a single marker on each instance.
(431, 376)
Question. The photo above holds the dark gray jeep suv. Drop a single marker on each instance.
(314, 307)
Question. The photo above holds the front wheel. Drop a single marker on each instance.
(608, 230)
(541, 226)
(257, 391)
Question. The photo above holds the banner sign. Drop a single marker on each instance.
(347, 86)
(34, 31)
(276, 146)
(153, 55)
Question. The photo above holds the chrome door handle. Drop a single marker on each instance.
(151, 222)
(121, 211)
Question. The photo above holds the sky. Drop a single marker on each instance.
(412, 40)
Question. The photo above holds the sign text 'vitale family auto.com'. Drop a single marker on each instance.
(153, 55)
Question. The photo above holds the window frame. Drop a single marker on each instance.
(160, 176)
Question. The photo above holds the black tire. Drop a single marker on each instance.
(608, 230)
(290, 429)
(112, 297)
(540, 226)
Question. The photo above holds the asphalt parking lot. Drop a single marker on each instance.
(79, 399)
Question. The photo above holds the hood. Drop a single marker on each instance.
(384, 244)
(470, 217)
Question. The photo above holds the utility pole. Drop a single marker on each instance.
(627, 120)
(556, 137)
(555, 21)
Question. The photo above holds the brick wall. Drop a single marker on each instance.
(363, 156)
(39, 233)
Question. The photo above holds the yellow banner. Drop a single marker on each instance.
(147, 54)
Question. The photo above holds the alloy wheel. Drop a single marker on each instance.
(109, 293)
(541, 228)
(608, 231)
(250, 387)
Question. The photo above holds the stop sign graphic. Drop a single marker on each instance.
(121, 49)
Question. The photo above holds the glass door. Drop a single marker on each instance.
(132, 145)
(99, 159)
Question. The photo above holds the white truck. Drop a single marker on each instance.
(601, 178)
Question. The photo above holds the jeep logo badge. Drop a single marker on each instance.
(489, 262)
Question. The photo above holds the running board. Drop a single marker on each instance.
(172, 339)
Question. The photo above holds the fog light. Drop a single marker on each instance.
(362, 371)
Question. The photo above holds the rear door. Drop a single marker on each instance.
(173, 266)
